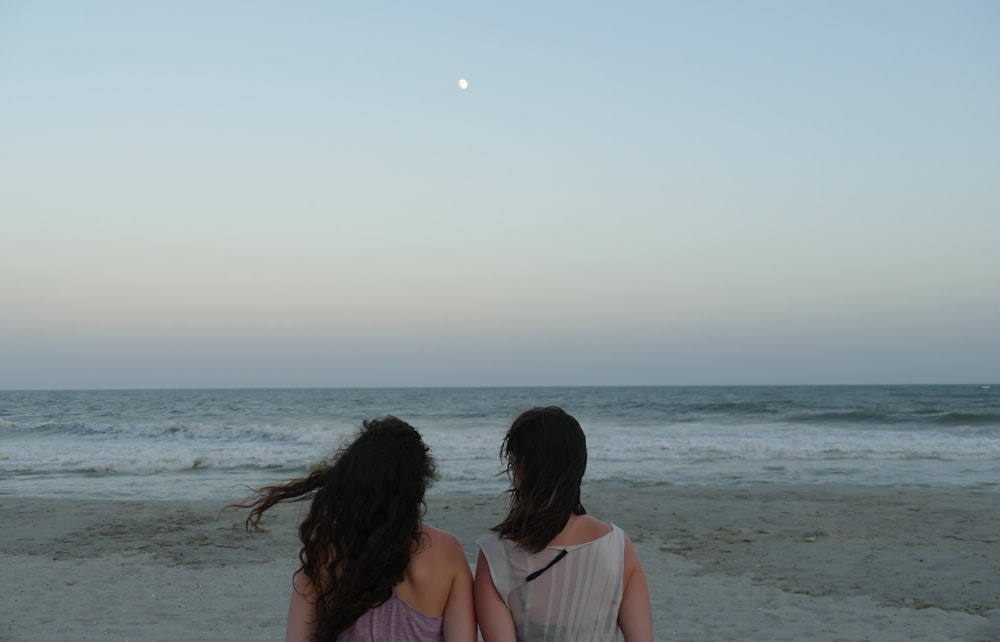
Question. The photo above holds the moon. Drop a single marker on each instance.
(463, 84)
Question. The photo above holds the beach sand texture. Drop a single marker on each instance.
(811, 563)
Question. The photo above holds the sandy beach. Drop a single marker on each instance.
(812, 563)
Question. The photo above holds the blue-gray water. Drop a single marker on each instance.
(210, 444)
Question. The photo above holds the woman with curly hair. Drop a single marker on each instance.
(549, 572)
(371, 568)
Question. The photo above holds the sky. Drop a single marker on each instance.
(260, 194)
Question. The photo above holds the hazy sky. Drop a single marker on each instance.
(235, 194)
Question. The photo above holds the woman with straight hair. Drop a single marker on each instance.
(549, 572)
(370, 568)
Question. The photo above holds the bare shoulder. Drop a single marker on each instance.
(631, 556)
(440, 544)
(438, 576)
(595, 527)
(581, 529)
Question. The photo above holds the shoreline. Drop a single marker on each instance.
(723, 562)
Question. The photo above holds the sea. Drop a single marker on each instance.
(219, 444)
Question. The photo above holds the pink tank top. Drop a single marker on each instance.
(394, 619)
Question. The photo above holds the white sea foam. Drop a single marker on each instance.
(153, 444)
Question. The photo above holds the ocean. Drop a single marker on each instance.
(215, 444)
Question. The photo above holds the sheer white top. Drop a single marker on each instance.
(577, 598)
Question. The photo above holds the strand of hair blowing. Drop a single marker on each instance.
(363, 523)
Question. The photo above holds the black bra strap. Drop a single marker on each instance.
(558, 557)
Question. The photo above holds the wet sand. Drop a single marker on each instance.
(816, 563)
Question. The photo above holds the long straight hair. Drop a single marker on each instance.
(545, 452)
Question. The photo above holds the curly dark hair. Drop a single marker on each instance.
(545, 452)
(364, 521)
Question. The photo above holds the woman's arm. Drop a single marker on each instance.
(459, 612)
(635, 616)
(301, 611)
(495, 621)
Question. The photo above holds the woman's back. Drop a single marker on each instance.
(436, 582)
(549, 572)
(435, 569)
(371, 569)
(567, 591)
(433, 602)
